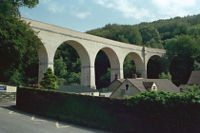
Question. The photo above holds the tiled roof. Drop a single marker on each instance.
(162, 84)
(147, 85)
(194, 78)
(115, 84)
(121, 80)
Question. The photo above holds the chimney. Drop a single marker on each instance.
(134, 76)
(116, 76)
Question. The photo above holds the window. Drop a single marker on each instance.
(127, 86)
(154, 88)
(127, 90)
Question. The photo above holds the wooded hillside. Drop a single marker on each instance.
(179, 36)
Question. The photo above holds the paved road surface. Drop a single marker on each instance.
(13, 121)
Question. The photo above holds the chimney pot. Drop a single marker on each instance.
(116, 76)
(134, 76)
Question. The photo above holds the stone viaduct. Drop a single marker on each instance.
(87, 47)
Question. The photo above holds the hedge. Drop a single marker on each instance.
(148, 112)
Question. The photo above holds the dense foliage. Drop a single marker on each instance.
(11, 7)
(18, 44)
(49, 81)
(148, 112)
(179, 36)
(165, 76)
(191, 89)
(18, 52)
(67, 65)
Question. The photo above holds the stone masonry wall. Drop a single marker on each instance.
(7, 96)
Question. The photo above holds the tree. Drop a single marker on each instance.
(154, 67)
(67, 65)
(165, 76)
(182, 51)
(11, 7)
(194, 30)
(196, 66)
(148, 33)
(16, 78)
(49, 80)
(18, 51)
(60, 68)
(129, 67)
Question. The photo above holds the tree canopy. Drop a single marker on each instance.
(11, 7)
(18, 45)
(18, 51)
(67, 65)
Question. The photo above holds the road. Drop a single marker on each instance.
(13, 121)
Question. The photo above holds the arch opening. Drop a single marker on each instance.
(106, 67)
(69, 59)
(132, 66)
(154, 67)
(102, 70)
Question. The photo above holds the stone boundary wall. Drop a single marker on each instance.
(152, 112)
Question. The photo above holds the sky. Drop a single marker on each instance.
(85, 15)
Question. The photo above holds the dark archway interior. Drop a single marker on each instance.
(154, 67)
(67, 65)
(102, 70)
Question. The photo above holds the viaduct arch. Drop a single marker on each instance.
(87, 47)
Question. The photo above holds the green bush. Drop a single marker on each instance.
(192, 89)
(103, 90)
(49, 80)
(165, 76)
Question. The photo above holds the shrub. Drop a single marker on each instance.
(165, 76)
(49, 80)
(192, 89)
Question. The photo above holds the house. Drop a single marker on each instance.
(131, 87)
(194, 78)
(115, 84)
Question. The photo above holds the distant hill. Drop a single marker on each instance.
(151, 34)
(180, 36)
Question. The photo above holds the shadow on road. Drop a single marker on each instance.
(11, 107)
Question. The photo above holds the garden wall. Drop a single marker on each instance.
(137, 114)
